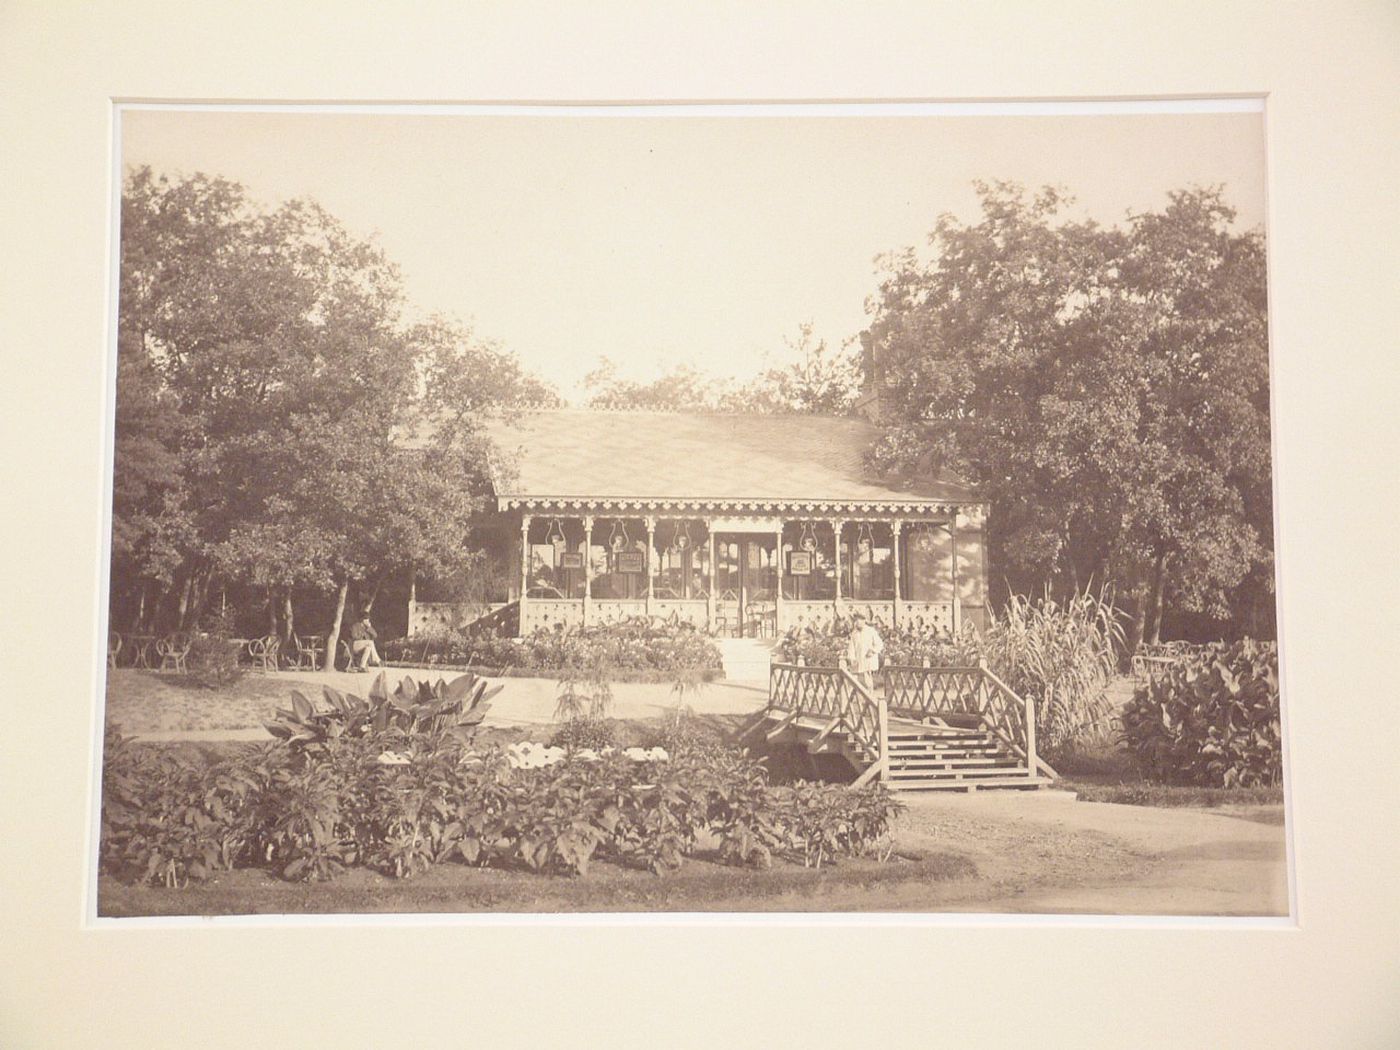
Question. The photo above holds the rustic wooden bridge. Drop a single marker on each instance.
(919, 729)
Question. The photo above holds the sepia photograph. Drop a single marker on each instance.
(831, 508)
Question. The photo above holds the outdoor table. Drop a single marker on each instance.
(309, 650)
(140, 649)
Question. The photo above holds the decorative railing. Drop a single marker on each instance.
(910, 692)
(833, 694)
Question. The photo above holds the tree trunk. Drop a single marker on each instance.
(1154, 601)
(194, 607)
(333, 638)
(271, 613)
(373, 594)
(413, 596)
(140, 608)
(184, 607)
(288, 618)
(1135, 627)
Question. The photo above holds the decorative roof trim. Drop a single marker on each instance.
(732, 506)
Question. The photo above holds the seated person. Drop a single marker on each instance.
(362, 650)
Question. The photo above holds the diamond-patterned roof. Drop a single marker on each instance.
(586, 454)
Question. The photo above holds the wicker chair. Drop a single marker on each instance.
(172, 650)
(265, 652)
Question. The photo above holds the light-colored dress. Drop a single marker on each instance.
(863, 650)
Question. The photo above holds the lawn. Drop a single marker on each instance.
(701, 885)
(148, 702)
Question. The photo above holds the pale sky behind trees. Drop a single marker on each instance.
(665, 240)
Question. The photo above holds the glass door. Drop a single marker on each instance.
(746, 583)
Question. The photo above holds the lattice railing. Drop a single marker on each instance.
(827, 693)
(911, 692)
(921, 691)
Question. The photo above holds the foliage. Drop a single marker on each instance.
(809, 378)
(1064, 655)
(268, 379)
(1106, 389)
(165, 820)
(907, 645)
(585, 691)
(213, 655)
(585, 733)
(413, 710)
(308, 812)
(637, 643)
(1211, 719)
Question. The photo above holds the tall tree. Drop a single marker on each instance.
(1106, 387)
(313, 437)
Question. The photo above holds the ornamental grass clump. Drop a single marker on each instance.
(1211, 719)
(1063, 655)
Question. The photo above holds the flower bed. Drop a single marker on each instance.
(903, 645)
(1212, 719)
(395, 783)
(636, 646)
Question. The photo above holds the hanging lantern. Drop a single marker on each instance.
(554, 537)
(923, 539)
(681, 540)
(865, 540)
(618, 539)
(808, 542)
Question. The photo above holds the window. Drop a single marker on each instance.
(928, 563)
(814, 544)
(866, 562)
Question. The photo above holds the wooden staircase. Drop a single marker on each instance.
(939, 757)
(926, 729)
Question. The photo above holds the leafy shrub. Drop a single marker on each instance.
(213, 655)
(167, 820)
(592, 733)
(330, 794)
(412, 709)
(905, 645)
(1211, 719)
(639, 643)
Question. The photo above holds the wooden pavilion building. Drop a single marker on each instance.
(739, 524)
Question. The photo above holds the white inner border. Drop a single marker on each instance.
(787, 109)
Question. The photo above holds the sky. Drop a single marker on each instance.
(661, 240)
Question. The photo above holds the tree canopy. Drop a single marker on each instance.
(279, 419)
(1107, 388)
(813, 379)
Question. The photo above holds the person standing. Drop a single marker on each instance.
(863, 649)
(362, 638)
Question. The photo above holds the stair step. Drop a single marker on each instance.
(956, 774)
(1024, 783)
(956, 763)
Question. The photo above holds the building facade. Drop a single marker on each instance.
(738, 524)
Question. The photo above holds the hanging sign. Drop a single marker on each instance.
(631, 561)
(800, 563)
(571, 561)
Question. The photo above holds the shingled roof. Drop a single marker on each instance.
(572, 455)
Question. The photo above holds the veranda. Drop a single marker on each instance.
(739, 525)
(753, 575)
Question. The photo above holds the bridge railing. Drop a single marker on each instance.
(913, 692)
(835, 695)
